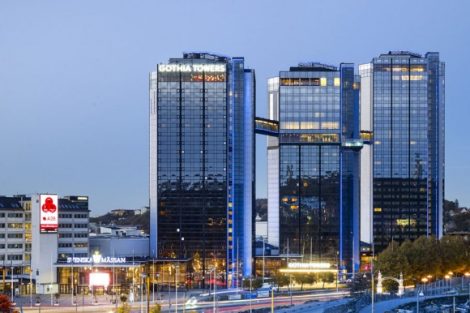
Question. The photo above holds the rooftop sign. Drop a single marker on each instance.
(162, 68)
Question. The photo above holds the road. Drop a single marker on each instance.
(229, 306)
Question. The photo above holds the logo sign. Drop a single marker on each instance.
(191, 68)
(96, 259)
(49, 216)
(308, 265)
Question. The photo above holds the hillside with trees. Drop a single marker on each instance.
(127, 218)
(456, 218)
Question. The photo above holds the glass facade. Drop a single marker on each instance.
(201, 152)
(318, 193)
(408, 146)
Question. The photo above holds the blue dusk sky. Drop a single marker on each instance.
(74, 77)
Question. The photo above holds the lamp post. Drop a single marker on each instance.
(290, 288)
(11, 287)
(264, 248)
(177, 267)
(447, 279)
(153, 276)
(467, 275)
(142, 277)
(424, 280)
(272, 299)
(251, 295)
(419, 293)
(31, 285)
(213, 302)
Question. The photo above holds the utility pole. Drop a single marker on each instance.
(263, 257)
(177, 267)
(272, 299)
(215, 286)
(153, 276)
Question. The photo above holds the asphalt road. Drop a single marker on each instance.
(229, 306)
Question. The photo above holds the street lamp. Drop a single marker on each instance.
(419, 293)
(142, 280)
(467, 275)
(210, 273)
(424, 280)
(447, 278)
(177, 267)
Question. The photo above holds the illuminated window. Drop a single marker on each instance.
(290, 125)
(377, 209)
(406, 222)
(336, 82)
(329, 125)
(323, 81)
(309, 125)
(412, 77)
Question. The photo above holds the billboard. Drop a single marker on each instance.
(49, 217)
(99, 279)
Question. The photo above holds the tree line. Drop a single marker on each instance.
(425, 257)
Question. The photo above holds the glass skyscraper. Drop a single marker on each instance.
(402, 103)
(313, 164)
(202, 170)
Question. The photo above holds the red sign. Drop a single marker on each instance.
(49, 216)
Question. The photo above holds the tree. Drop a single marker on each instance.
(454, 252)
(360, 283)
(156, 308)
(423, 257)
(280, 280)
(5, 304)
(326, 278)
(256, 283)
(392, 261)
(124, 308)
(304, 279)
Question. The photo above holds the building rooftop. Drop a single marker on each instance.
(10, 203)
(67, 205)
(402, 53)
(200, 57)
(313, 66)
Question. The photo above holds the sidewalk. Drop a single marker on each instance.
(313, 307)
(383, 306)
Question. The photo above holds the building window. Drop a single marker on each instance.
(15, 235)
(15, 225)
(15, 246)
(15, 257)
(15, 215)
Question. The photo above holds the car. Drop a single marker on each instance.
(191, 303)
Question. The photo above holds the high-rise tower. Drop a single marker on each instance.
(202, 171)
